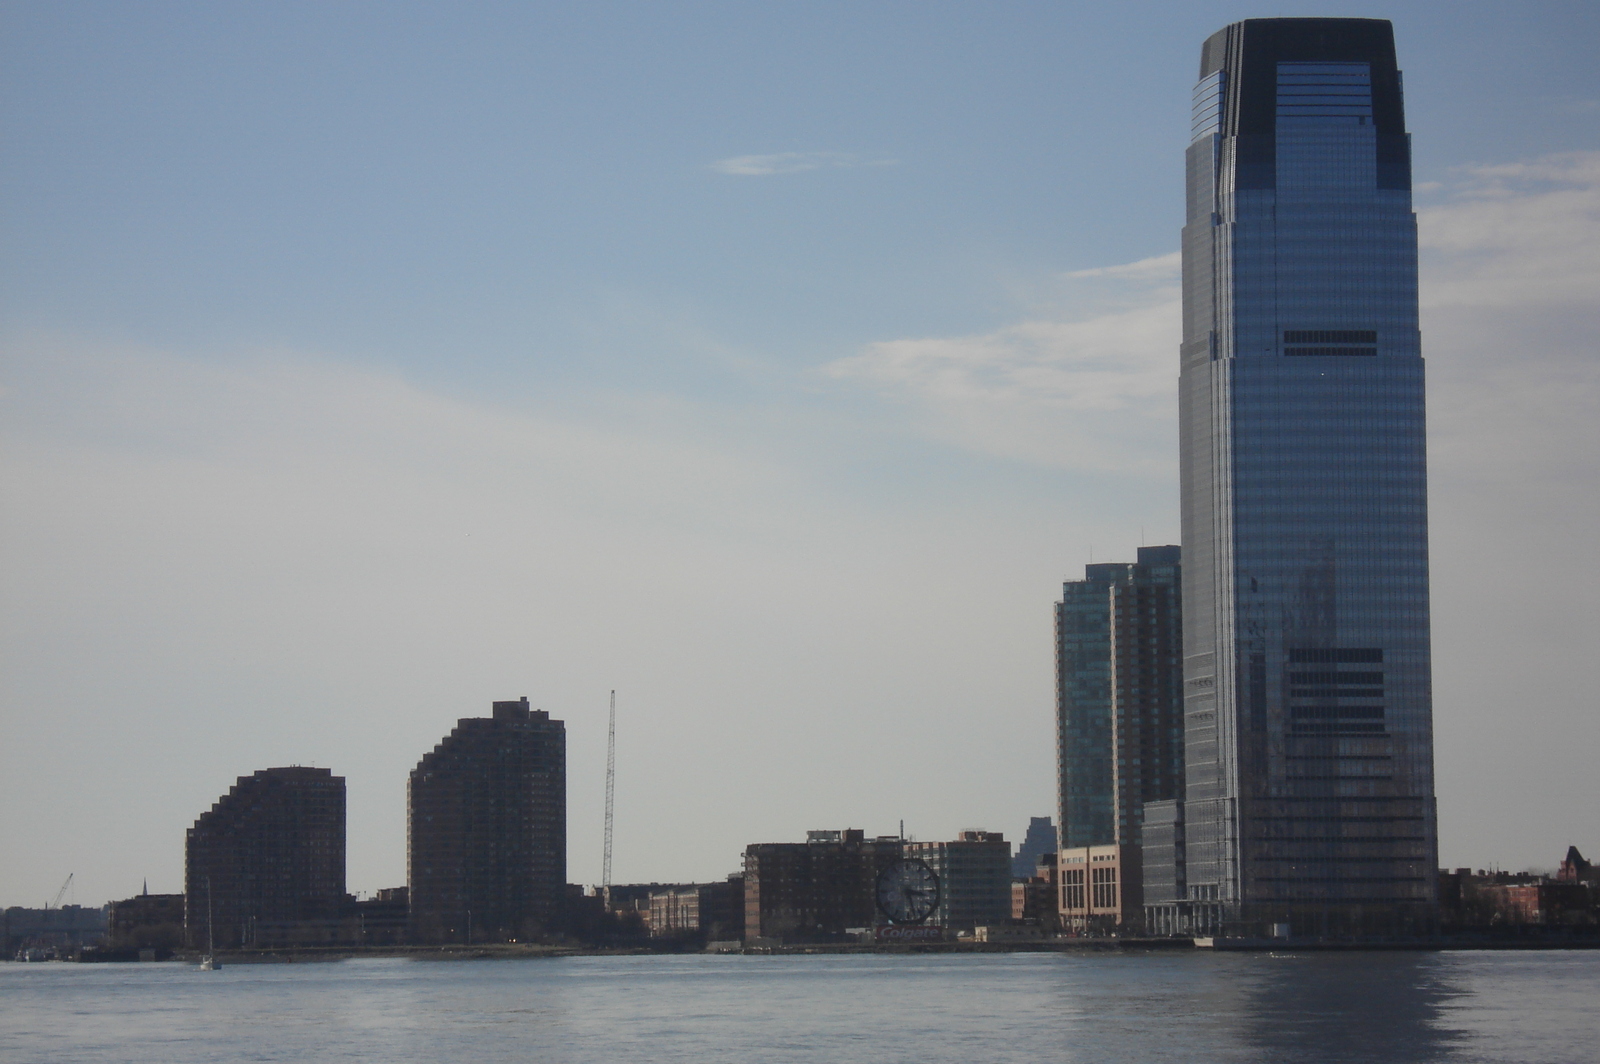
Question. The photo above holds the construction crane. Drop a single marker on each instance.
(62, 893)
(611, 789)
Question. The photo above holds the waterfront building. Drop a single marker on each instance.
(146, 921)
(703, 911)
(814, 891)
(51, 931)
(486, 829)
(1101, 888)
(1163, 871)
(1035, 898)
(265, 865)
(974, 871)
(1309, 757)
(1119, 724)
(381, 920)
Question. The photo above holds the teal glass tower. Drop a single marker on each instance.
(1308, 745)
(1118, 708)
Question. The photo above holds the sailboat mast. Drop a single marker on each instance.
(611, 789)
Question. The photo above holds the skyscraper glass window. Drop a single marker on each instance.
(1308, 708)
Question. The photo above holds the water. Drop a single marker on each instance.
(1497, 1008)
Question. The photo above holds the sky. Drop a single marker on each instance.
(769, 364)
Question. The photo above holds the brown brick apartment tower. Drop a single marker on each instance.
(268, 857)
(486, 829)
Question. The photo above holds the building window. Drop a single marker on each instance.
(1105, 887)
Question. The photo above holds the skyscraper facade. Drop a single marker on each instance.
(1119, 728)
(265, 865)
(1308, 720)
(1119, 724)
(486, 829)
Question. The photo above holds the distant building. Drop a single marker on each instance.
(51, 931)
(1041, 838)
(147, 921)
(266, 864)
(1101, 888)
(1484, 901)
(974, 873)
(1166, 906)
(813, 891)
(486, 824)
(1543, 903)
(1036, 899)
(635, 897)
(704, 911)
(381, 920)
(1119, 638)
(1574, 869)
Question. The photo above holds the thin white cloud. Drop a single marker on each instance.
(1516, 235)
(1156, 268)
(792, 162)
(1097, 393)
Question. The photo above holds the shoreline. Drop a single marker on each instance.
(521, 951)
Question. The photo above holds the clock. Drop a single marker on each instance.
(908, 891)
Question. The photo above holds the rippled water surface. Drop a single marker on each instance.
(1037, 1008)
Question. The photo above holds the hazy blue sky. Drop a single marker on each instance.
(769, 363)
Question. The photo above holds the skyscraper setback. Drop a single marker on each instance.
(1308, 719)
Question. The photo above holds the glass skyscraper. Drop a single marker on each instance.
(1307, 705)
(1119, 730)
(1118, 708)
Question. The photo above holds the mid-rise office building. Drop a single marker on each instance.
(486, 829)
(1309, 752)
(1119, 723)
(265, 865)
(1101, 888)
(974, 871)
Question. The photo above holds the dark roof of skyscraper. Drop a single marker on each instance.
(1251, 50)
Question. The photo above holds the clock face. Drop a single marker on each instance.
(908, 891)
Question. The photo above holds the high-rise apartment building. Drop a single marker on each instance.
(1119, 724)
(265, 865)
(486, 829)
(1309, 759)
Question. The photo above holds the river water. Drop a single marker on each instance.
(1496, 1008)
